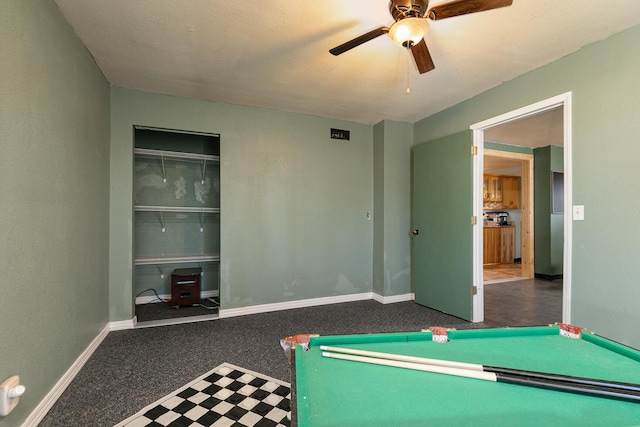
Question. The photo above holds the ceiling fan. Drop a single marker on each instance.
(411, 25)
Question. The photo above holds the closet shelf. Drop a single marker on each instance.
(145, 152)
(181, 209)
(175, 259)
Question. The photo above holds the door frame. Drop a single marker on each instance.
(565, 101)
(525, 162)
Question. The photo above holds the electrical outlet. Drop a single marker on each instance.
(10, 392)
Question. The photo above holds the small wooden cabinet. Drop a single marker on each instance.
(185, 286)
(498, 245)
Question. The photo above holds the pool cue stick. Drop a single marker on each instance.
(487, 376)
(589, 390)
(494, 369)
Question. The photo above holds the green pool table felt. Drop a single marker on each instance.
(334, 392)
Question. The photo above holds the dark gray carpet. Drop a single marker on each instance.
(134, 368)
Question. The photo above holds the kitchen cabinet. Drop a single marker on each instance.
(498, 245)
(486, 195)
(510, 192)
(491, 245)
(492, 188)
(501, 191)
(507, 243)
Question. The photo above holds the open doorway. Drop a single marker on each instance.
(514, 295)
(525, 124)
(508, 232)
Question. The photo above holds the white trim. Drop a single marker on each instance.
(283, 305)
(51, 398)
(563, 100)
(123, 324)
(175, 259)
(477, 302)
(153, 299)
(393, 298)
(176, 209)
(187, 132)
(145, 152)
(265, 308)
(568, 202)
(526, 111)
(177, 321)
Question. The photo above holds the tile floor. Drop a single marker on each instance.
(501, 272)
(513, 301)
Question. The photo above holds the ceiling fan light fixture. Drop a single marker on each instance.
(410, 30)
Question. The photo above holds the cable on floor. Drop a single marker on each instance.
(212, 300)
(153, 301)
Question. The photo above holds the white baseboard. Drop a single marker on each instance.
(177, 321)
(393, 298)
(265, 308)
(153, 299)
(51, 398)
(123, 324)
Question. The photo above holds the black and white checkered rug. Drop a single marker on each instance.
(225, 396)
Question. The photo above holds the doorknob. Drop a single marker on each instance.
(415, 231)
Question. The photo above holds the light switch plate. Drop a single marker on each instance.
(578, 212)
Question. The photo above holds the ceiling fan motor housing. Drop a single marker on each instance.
(401, 9)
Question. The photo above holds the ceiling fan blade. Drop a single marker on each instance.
(422, 57)
(359, 40)
(462, 7)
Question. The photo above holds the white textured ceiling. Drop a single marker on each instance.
(538, 130)
(274, 53)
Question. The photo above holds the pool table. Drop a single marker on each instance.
(332, 392)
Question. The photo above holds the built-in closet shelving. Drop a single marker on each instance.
(176, 208)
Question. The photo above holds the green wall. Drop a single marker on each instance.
(548, 227)
(392, 205)
(54, 170)
(606, 104)
(293, 201)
